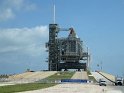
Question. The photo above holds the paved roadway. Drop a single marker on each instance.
(117, 89)
(69, 88)
(79, 88)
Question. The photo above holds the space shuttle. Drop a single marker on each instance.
(72, 33)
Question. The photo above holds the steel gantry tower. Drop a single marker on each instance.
(53, 47)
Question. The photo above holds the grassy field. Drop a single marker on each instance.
(24, 87)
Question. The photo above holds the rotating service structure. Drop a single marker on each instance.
(67, 52)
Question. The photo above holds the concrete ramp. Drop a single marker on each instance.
(42, 75)
(29, 77)
(20, 76)
(32, 75)
(98, 76)
(80, 75)
(109, 76)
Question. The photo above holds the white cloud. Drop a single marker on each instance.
(21, 4)
(15, 3)
(8, 8)
(6, 14)
(30, 41)
(30, 7)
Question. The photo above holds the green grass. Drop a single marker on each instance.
(61, 75)
(24, 87)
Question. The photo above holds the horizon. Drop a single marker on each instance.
(24, 32)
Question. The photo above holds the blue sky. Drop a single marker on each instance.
(24, 31)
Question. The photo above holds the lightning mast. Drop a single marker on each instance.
(54, 12)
